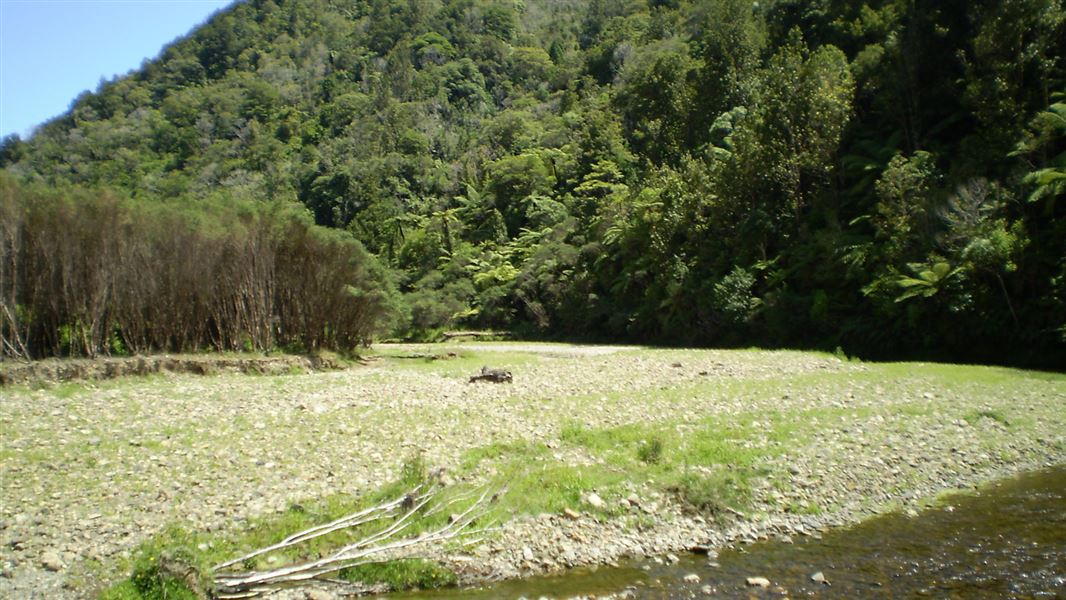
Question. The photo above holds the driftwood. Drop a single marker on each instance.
(385, 544)
(476, 334)
(427, 356)
(493, 375)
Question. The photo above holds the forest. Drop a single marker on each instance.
(884, 178)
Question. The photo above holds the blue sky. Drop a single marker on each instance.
(53, 50)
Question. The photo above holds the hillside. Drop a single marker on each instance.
(886, 178)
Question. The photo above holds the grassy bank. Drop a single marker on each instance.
(207, 468)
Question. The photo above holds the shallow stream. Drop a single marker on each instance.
(1007, 540)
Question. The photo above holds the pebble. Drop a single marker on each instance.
(50, 560)
(593, 499)
(691, 578)
(819, 577)
(758, 582)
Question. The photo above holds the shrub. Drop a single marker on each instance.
(85, 272)
(651, 451)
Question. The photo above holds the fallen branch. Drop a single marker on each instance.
(378, 547)
(354, 520)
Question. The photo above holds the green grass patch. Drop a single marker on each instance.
(973, 417)
(402, 574)
(496, 451)
(552, 487)
(711, 493)
(170, 566)
(708, 467)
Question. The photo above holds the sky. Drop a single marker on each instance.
(53, 50)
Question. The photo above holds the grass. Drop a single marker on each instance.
(650, 451)
(973, 417)
(403, 574)
(496, 451)
(709, 468)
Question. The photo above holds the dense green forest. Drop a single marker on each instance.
(885, 176)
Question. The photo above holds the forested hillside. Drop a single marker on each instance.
(884, 176)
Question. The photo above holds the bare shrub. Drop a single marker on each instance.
(84, 273)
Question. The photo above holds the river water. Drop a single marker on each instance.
(1007, 540)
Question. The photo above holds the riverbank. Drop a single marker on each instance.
(61, 370)
(1005, 539)
(751, 444)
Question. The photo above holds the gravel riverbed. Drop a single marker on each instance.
(89, 470)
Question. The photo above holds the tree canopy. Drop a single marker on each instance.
(884, 176)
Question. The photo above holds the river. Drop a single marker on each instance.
(1006, 540)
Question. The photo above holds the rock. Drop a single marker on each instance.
(319, 595)
(527, 553)
(671, 559)
(758, 582)
(819, 578)
(571, 514)
(691, 578)
(594, 500)
(633, 500)
(707, 590)
(50, 561)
